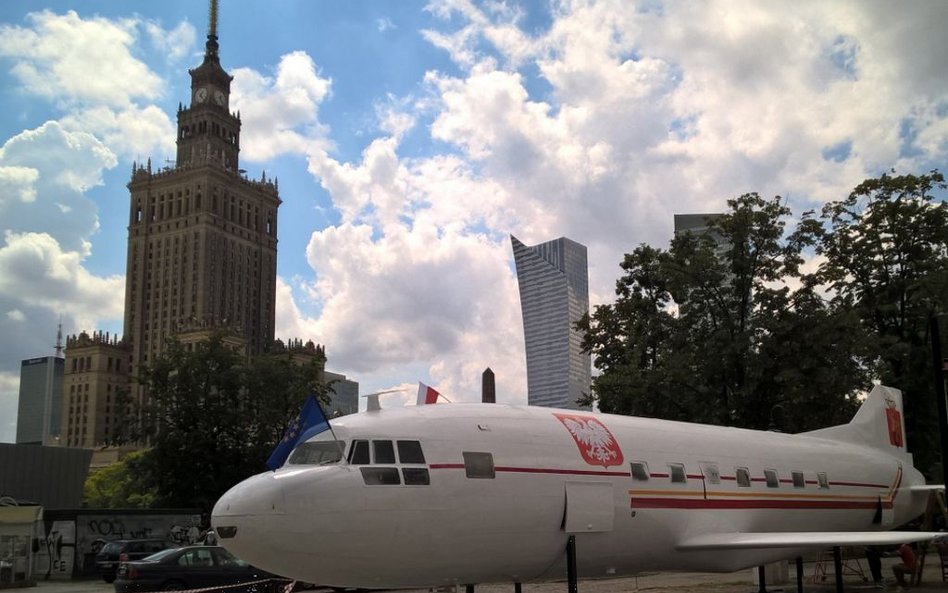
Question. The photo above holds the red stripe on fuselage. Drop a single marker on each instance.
(568, 472)
(538, 470)
(684, 503)
(581, 472)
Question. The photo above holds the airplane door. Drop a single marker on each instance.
(710, 475)
(888, 514)
(590, 507)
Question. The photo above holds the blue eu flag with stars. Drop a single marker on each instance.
(309, 423)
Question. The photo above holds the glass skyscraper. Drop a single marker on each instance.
(41, 393)
(554, 294)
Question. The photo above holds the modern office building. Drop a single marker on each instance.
(554, 295)
(344, 394)
(698, 224)
(40, 401)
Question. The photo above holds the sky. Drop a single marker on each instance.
(412, 138)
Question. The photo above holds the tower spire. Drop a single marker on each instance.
(59, 338)
(212, 18)
(211, 47)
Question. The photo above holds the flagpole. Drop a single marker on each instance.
(340, 444)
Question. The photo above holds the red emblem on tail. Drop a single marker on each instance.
(595, 442)
(894, 419)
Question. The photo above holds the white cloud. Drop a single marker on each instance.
(176, 43)
(18, 183)
(439, 297)
(647, 113)
(72, 160)
(133, 133)
(54, 166)
(71, 59)
(16, 315)
(36, 271)
(280, 114)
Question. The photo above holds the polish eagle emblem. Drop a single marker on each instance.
(595, 442)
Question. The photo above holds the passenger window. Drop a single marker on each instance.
(478, 465)
(711, 473)
(770, 475)
(416, 476)
(384, 452)
(822, 479)
(410, 452)
(677, 473)
(798, 481)
(380, 476)
(640, 471)
(359, 453)
(743, 477)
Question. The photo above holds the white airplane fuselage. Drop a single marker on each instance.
(612, 481)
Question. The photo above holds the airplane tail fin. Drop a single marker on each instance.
(879, 423)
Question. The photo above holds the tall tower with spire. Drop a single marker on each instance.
(202, 249)
(202, 238)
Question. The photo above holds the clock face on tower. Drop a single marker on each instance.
(219, 98)
(200, 95)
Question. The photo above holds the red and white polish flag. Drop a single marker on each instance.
(426, 394)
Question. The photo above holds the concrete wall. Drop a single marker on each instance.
(50, 476)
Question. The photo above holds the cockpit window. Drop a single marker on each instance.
(410, 452)
(359, 453)
(317, 453)
(384, 452)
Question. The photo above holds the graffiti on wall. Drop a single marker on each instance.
(56, 555)
(69, 547)
(93, 531)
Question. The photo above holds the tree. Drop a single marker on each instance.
(886, 250)
(213, 417)
(122, 485)
(711, 330)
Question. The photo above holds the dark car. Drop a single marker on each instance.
(191, 567)
(122, 550)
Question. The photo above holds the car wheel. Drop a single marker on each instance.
(173, 586)
(108, 578)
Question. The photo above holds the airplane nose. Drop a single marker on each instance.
(255, 496)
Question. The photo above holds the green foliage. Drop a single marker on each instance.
(887, 262)
(213, 417)
(123, 485)
(725, 327)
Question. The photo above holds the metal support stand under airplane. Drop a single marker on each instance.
(518, 588)
(761, 579)
(468, 588)
(572, 585)
(838, 568)
(799, 574)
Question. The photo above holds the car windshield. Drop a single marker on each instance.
(159, 556)
(317, 452)
(111, 548)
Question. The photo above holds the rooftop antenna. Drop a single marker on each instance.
(59, 339)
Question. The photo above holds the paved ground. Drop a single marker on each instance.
(739, 582)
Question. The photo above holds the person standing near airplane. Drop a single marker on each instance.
(907, 566)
